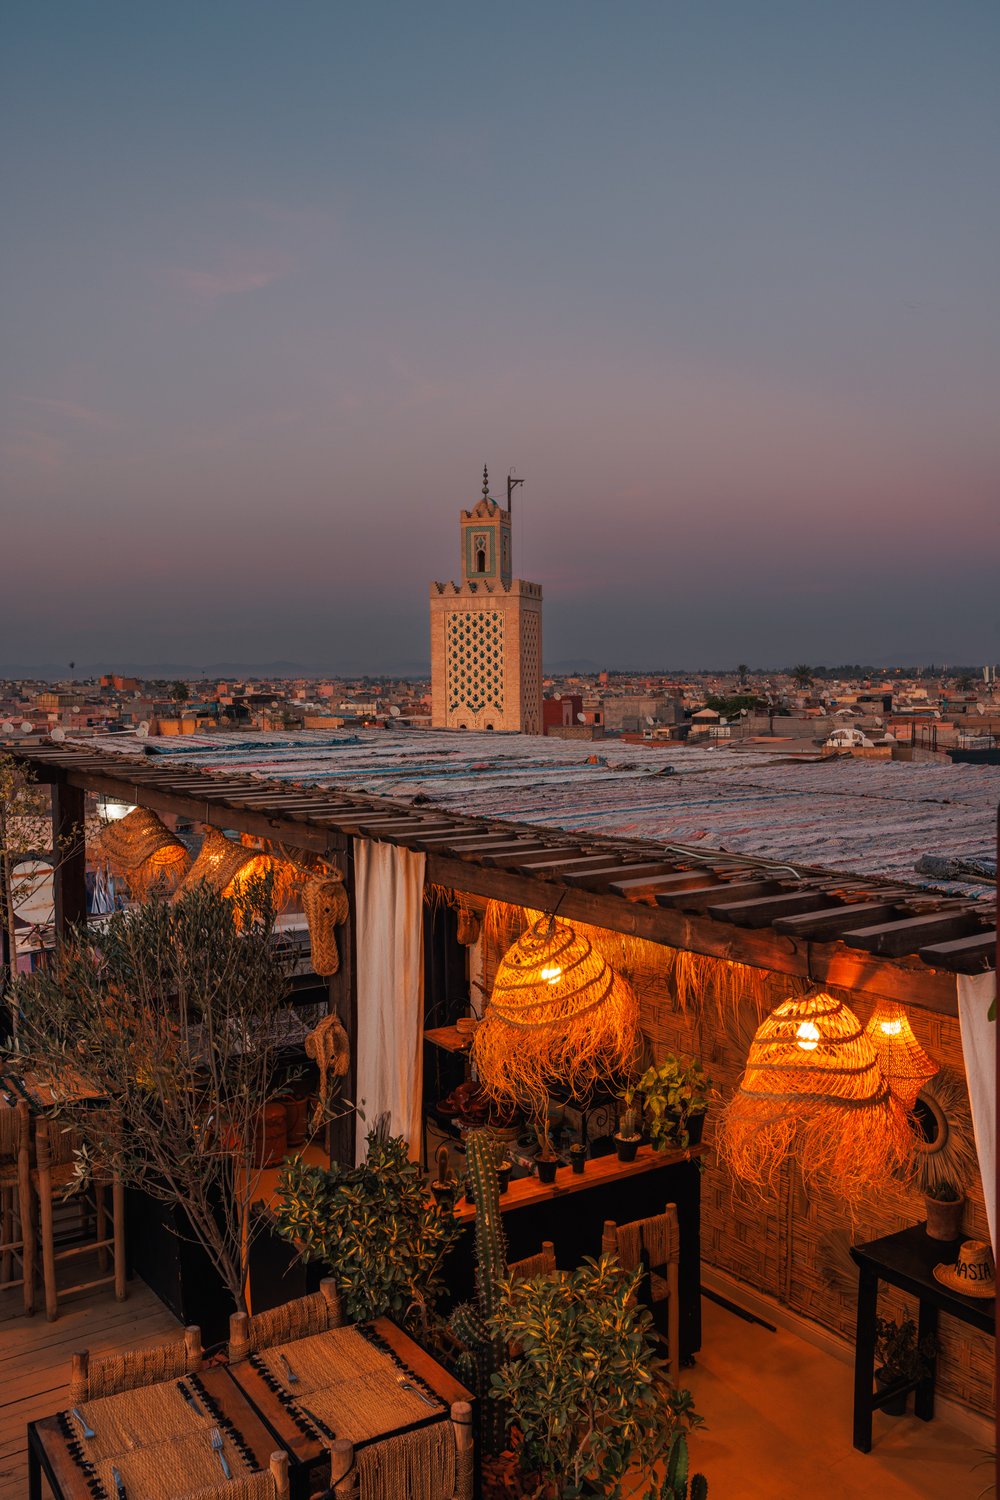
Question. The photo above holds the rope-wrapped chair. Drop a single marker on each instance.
(653, 1244)
(140, 848)
(55, 1177)
(542, 1264)
(114, 1373)
(433, 1462)
(17, 1235)
(269, 1484)
(317, 1313)
(324, 901)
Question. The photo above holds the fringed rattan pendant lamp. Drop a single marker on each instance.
(218, 861)
(905, 1065)
(558, 1015)
(142, 849)
(813, 1090)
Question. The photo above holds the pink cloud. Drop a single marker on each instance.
(237, 274)
(86, 416)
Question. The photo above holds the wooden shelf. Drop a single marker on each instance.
(449, 1037)
(527, 1191)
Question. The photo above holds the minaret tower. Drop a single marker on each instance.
(486, 632)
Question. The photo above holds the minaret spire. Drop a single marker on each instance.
(486, 484)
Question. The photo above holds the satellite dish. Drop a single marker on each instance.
(75, 710)
(57, 733)
(581, 718)
(6, 727)
(650, 720)
(32, 890)
(394, 710)
(26, 727)
(143, 730)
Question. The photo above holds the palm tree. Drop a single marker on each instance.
(742, 671)
(802, 675)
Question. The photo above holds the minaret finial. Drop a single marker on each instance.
(486, 484)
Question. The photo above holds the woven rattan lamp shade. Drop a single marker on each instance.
(144, 851)
(904, 1063)
(218, 861)
(813, 1090)
(558, 1014)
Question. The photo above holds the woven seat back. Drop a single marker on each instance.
(246, 1487)
(299, 1319)
(542, 1264)
(135, 1367)
(657, 1239)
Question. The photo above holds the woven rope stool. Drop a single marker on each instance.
(656, 1244)
(17, 1232)
(54, 1178)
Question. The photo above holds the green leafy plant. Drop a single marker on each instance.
(899, 1355)
(587, 1392)
(473, 1323)
(674, 1090)
(630, 1118)
(374, 1227)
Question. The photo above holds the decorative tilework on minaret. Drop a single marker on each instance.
(486, 632)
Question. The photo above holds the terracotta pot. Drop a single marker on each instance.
(944, 1220)
(296, 1120)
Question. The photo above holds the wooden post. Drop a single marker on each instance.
(239, 1336)
(44, 1163)
(279, 1473)
(25, 1205)
(341, 1467)
(192, 1348)
(118, 1229)
(70, 877)
(79, 1377)
(461, 1421)
(334, 1302)
(343, 988)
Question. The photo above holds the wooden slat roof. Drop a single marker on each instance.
(795, 920)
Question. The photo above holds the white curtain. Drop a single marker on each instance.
(975, 995)
(389, 918)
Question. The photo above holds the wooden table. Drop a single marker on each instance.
(906, 1260)
(309, 1457)
(42, 1093)
(49, 1449)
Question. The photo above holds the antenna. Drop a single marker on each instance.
(512, 483)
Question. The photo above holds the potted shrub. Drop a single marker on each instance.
(374, 1226)
(675, 1091)
(588, 1396)
(628, 1135)
(546, 1161)
(944, 1204)
(504, 1169)
(578, 1157)
(444, 1186)
(900, 1359)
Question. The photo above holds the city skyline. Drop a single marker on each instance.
(721, 287)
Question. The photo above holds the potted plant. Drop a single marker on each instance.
(944, 1204)
(900, 1360)
(504, 1169)
(578, 1157)
(546, 1161)
(675, 1091)
(443, 1187)
(588, 1396)
(628, 1136)
(383, 1239)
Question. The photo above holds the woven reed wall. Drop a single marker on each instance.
(796, 1249)
(793, 1249)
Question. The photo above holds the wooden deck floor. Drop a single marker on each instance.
(35, 1356)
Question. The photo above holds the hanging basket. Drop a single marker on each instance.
(324, 901)
(329, 1048)
(813, 1090)
(141, 849)
(470, 920)
(558, 1015)
(905, 1065)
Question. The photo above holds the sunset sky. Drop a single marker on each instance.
(720, 279)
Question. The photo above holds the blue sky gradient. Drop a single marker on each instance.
(719, 279)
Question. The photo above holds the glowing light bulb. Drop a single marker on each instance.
(808, 1036)
(553, 975)
(891, 1028)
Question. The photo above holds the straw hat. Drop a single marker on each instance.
(973, 1274)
